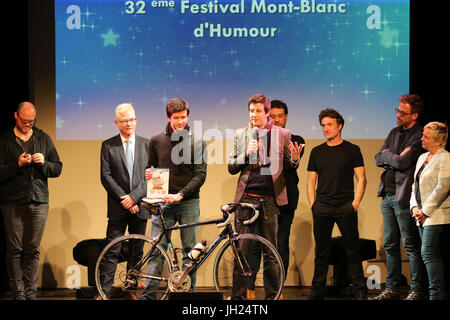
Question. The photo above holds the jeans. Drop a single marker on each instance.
(185, 211)
(431, 255)
(325, 216)
(24, 229)
(398, 223)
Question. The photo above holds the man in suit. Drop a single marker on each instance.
(260, 153)
(279, 115)
(123, 161)
(398, 156)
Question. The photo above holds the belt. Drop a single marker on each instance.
(253, 195)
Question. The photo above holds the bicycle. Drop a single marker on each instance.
(134, 252)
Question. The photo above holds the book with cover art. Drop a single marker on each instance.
(157, 185)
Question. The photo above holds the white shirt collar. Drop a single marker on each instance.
(132, 139)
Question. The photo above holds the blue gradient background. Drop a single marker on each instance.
(315, 61)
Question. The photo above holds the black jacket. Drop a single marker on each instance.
(22, 185)
(292, 178)
(187, 172)
(389, 158)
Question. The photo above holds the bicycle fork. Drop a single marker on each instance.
(240, 260)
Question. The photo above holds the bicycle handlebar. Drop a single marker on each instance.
(154, 206)
(227, 209)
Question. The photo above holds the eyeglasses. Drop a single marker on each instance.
(126, 121)
(26, 121)
(402, 113)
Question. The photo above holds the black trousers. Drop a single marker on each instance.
(324, 217)
(266, 226)
(116, 228)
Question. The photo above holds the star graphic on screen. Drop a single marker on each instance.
(59, 122)
(366, 92)
(110, 38)
(80, 103)
(389, 75)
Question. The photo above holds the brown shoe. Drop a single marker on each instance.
(414, 295)
(250, 294)
(130, 296)
(388, 294)
(98, 297)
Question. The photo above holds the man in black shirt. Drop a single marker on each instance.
(331, 167)
(28, 158)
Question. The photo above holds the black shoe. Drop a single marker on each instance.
(361, 295)
(388, 294)
(315, 296)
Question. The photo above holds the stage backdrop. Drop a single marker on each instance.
(350, 55)
(87, 57)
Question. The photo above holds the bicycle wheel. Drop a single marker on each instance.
(130, 263)
(262, 268)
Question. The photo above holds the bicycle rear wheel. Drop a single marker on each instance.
(128, 264)
(262, 268)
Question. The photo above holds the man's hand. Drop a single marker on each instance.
(24, 159)
(148, 173)
(295, 149)
(38, 158)
(127, 202)
(407, 149)
(134, 209)
(355, 205)
(170, 198)
(252, 147)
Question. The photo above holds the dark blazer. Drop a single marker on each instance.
(403, 166)
(291, 178)
(115, 178)
(280, 158)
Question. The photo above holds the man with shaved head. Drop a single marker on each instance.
(28, 158)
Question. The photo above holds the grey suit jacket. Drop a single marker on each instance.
(115, 177)
(434, 188)
(280, 157)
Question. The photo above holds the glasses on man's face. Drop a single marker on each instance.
(26, 121)
(126, 121)
(402, 113)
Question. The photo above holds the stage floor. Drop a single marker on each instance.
(289, 293)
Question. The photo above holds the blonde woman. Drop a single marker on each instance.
(430, 204)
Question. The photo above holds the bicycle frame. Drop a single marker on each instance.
(180, 280)
(226, 232)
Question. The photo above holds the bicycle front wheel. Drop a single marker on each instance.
(132, 264)
(249, 262)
